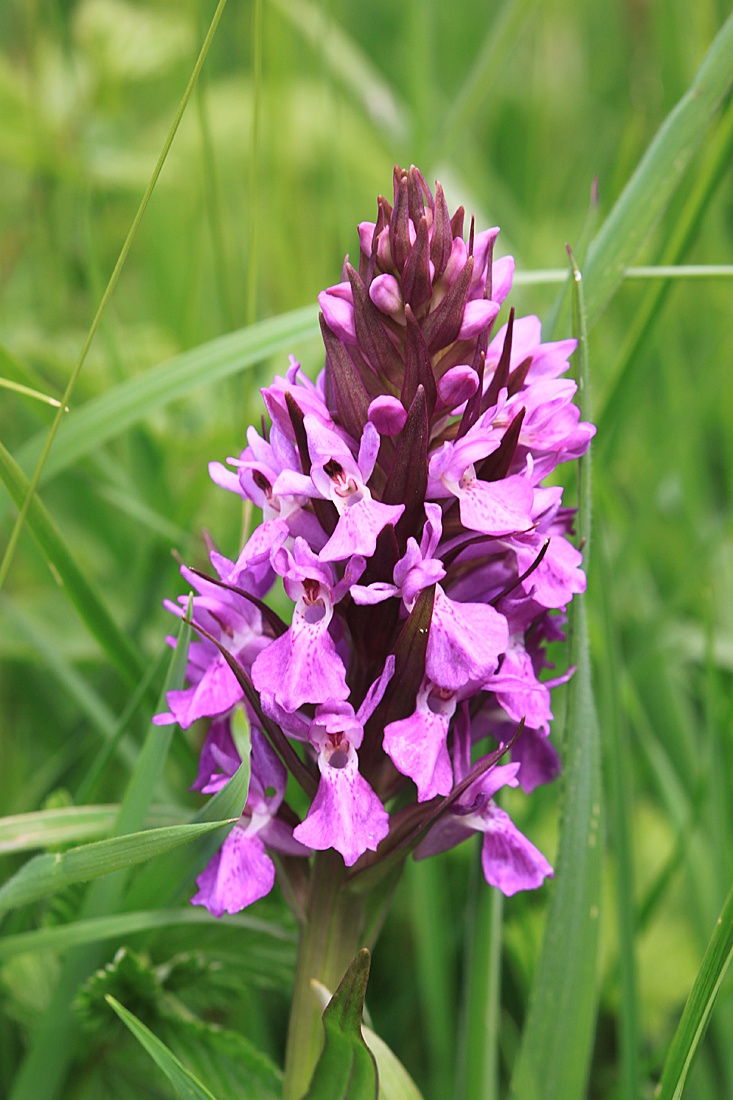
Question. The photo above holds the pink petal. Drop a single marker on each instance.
(509, 860)
(241, 872)
(497, 507)
(301, 667)
(346, 814)
(417, 748)
(465, 642)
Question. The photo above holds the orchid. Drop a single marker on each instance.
(427, 567)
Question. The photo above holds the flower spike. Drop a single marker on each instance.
(426, 564)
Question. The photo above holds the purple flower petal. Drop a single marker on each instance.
(509, 860)
(358, 529)
(417, 748)
(477, 316)
(301, 667)
(465, 642)
(215, 693)
(387, 414)
(339, 312)
(386, 295)
(496, 507)
(346, 813)
(457, 385)
(241, 872)
(557, 577)
(538, 760)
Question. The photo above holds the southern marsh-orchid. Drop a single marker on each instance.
(412, 464)
(426, 566)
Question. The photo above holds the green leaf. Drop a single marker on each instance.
(223, 1060)
(151, 760)
(48, 828)
(73, 684)
(346, 1069)
(696, 1015)
(105, 417)
(613, 402)
(182, 868)
(100, 929)
(660, 170)
(46, 874)
(82, 593)
(395, 1082)
(558, 1036)
(186, 1086)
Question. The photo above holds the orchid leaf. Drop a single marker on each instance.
(395, 1082)
(346, 1069)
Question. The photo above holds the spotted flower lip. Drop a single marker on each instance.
(424, 568)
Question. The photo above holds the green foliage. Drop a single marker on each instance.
(346, 1069)
(517, 107)
(696, 1016)
(186, 1086)
(558, 1036)
(46, 874)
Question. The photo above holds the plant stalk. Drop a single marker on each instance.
(333, 932)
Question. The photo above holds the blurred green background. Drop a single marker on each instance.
(301, 112)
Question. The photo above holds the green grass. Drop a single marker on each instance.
(299, 114)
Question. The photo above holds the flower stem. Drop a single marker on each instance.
(330, 938)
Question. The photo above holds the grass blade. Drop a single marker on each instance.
(696, 1015)
(434, 967)
(25, 506)
(185, 1085)
(28, 391)
(556, 1046)
(100, 929)
(84, 596)
(48, 873)
(660, 170)
(149, 767)
(73, 684)
(105, 417)
(620, 797)
(182, 869)
(480, 80)
(716, 162)
(478, 1034)
(47, 828)
(350, 65)
(53, 1040)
